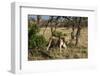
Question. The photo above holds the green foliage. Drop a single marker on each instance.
(35, 40)
(33, 30)
(59, 34)
(65, 34)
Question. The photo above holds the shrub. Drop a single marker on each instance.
(35, 40)
(65, 34)
(33, 30)
(57, 34)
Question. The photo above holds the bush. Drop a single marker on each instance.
(33, 30)
(65, 34)
(35, 40)
(57, 34)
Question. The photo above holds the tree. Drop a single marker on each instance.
(38, 19)
(78, 31)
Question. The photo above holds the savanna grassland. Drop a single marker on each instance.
(72, 51)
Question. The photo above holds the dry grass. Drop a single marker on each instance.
(72, 52)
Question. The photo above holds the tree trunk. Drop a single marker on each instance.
(77, 36)
(38, 19)
(72, 33)
(78, 32)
